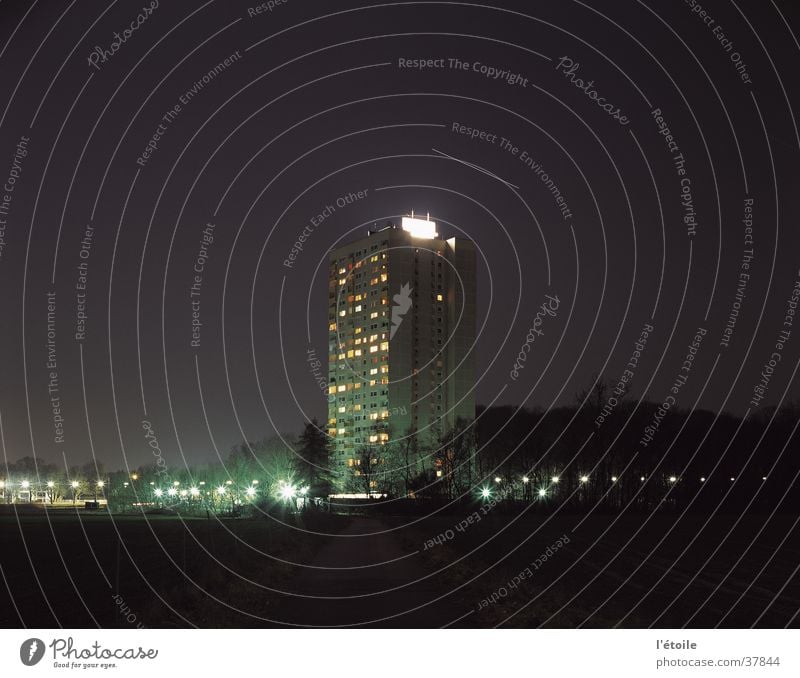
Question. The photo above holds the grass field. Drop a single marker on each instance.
(82, 570)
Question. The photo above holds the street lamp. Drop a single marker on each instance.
(486, 492)
(584, 479)
(554, 480)
(542, 493)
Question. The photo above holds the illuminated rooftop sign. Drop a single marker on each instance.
(420, 228)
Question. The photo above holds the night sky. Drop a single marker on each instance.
(207, 132)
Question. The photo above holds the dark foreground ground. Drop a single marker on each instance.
(86, 570)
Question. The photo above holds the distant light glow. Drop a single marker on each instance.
(672, 479)
(172, 491)
(703, 479)
(486, 493)
(642, 478)
(221, 490)
(100, 483)
(732, 479)
(25, 484)
(542, 492)
(74, 484)
(158, 492)
(763, 477)
(525, 479)
(498, 479)
(250, 492)
(420, 228)
(183, 493)
(613, 479)
(50, 483)
(194, 492)
(287, 491)
(554, 479)
(584, 479)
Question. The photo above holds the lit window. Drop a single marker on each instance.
(439, 297)
(358, 308)
(332, 327)
(374, 370)
(331, 390)
(373, 348)
(373, 415)
(373, 439)
(357, 408)
(384, 346)
(342, 313)
(341, 388)
(342, 408)
(342, 281)
(350, 353)
(384, 277)
(341, 356)
(358, 352)
(374, 314)
(341, 431)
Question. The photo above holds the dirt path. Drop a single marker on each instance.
(366, 578)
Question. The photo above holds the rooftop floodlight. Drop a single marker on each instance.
(419, 228)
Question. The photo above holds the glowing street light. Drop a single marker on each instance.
(135, 476)
(194, 492)
(287, 491)
(50, 484)
(183, 494)
(642, 478)
(672, 479)
(25, 484)
(554, 480)
(498, 479)
(703, 479)
(542, 492)
(255, 482)
(158, 492)
(486, 493)
(100, 484)
(525, 479)
(221, 490)
(172, 491)
(584, 479)
(250, 492)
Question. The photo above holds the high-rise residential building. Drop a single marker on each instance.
(401, 321)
